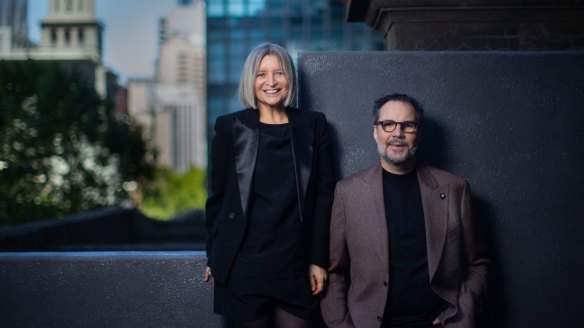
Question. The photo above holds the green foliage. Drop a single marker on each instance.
(171, 193)
(62, 148)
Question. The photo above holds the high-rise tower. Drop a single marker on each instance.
(171, 106)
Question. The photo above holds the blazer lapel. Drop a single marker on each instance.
(435, 205)
(246, 138)
(302, 141)
(374, 180)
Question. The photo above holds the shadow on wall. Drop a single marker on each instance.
(496, 303)
(433, 151)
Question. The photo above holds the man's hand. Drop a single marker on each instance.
(208, 275)
(436, 322)
(317, 277)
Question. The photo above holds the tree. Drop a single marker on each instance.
(62, 148)
(170, 193)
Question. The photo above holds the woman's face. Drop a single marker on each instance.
(271, 84)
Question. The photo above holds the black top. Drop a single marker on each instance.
(412, 302)
(269, 267)
(273, 243)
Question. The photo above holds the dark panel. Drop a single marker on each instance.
(511, 123)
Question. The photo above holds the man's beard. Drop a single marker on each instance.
(397, 160)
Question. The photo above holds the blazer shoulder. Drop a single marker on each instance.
(224, 123)
(231, 116)
(362, 176)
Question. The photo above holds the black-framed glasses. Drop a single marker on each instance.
(406, 126)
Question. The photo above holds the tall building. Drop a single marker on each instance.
(171, 105)
(71, 35)
(234, 27)
(13, 24)
(182, 47)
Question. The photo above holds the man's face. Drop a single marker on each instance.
(397, 148)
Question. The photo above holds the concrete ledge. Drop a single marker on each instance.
(105, 289)
(109, 229)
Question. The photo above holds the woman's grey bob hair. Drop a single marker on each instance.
(250, 69)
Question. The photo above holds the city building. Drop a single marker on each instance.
(234, 27)
(13, 30)
(172, 105)
(70, 35)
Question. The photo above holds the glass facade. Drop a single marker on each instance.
(234, 27)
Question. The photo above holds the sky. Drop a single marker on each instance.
(130, 32)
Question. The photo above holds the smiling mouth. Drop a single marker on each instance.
(396, 144)
(272, 91)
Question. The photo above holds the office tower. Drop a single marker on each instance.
(171, 106)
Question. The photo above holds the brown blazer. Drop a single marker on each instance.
(359, 252)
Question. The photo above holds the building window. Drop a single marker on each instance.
(53, 36)
(215, 8)
(67, 36)
(81, 35)
(57, 5)
(80, 5)
(69, 5)
(182, 68)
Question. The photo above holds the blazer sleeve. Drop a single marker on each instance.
(334, 307)
(220, 159)
(324, 196)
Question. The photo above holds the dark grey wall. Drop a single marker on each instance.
(105, 289)
(511, 123)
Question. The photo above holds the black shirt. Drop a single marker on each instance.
(273, 241)
(411, 301)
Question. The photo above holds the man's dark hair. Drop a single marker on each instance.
(397, 97)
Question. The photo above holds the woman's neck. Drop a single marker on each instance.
(273, 115)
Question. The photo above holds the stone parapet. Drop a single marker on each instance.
(473, 25)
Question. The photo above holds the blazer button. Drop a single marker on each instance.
(385, 283)
(379, 318)
(231, 216)
(442, 196)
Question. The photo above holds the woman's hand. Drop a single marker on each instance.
(317, 277)
(208, 275)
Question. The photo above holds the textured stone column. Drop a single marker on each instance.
(473, 24)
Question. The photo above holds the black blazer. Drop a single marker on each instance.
(233, 156)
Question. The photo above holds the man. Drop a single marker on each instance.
(404, 250)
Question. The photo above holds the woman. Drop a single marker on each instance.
(267, 215)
